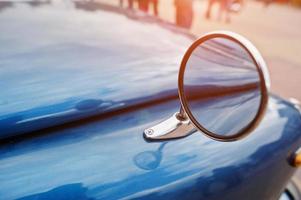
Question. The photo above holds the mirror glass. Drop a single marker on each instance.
(221, 87)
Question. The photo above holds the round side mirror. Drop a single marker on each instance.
(223, 86)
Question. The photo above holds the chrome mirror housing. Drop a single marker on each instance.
(223, 87)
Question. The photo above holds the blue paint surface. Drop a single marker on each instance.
(63, 70)
(109, 159)
(71, 66)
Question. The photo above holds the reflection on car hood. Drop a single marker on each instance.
(62, 61)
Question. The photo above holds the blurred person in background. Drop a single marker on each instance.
(266, 3)
(224, 8)
(130, 4)
(184, 13)
(155, 6)
(143, 5)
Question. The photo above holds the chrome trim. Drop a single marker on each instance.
(174, 127)
(263, 75)
(296, 103)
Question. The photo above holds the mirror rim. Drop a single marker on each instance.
(263, 77)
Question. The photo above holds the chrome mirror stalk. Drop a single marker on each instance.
(177, 126)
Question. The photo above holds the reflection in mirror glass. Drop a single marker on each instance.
(222, 86)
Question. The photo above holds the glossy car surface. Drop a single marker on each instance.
(76, 97)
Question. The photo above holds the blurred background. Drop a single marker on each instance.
(274, 26)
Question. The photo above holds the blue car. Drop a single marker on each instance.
(100, 102)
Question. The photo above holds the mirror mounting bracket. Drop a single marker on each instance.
(177, 126)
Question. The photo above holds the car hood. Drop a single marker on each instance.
(65, 61)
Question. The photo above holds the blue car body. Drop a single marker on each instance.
(79, 84)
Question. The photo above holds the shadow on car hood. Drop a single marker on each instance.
(65, 61)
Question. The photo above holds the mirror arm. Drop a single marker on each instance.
(182, 114)
(177, 126)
